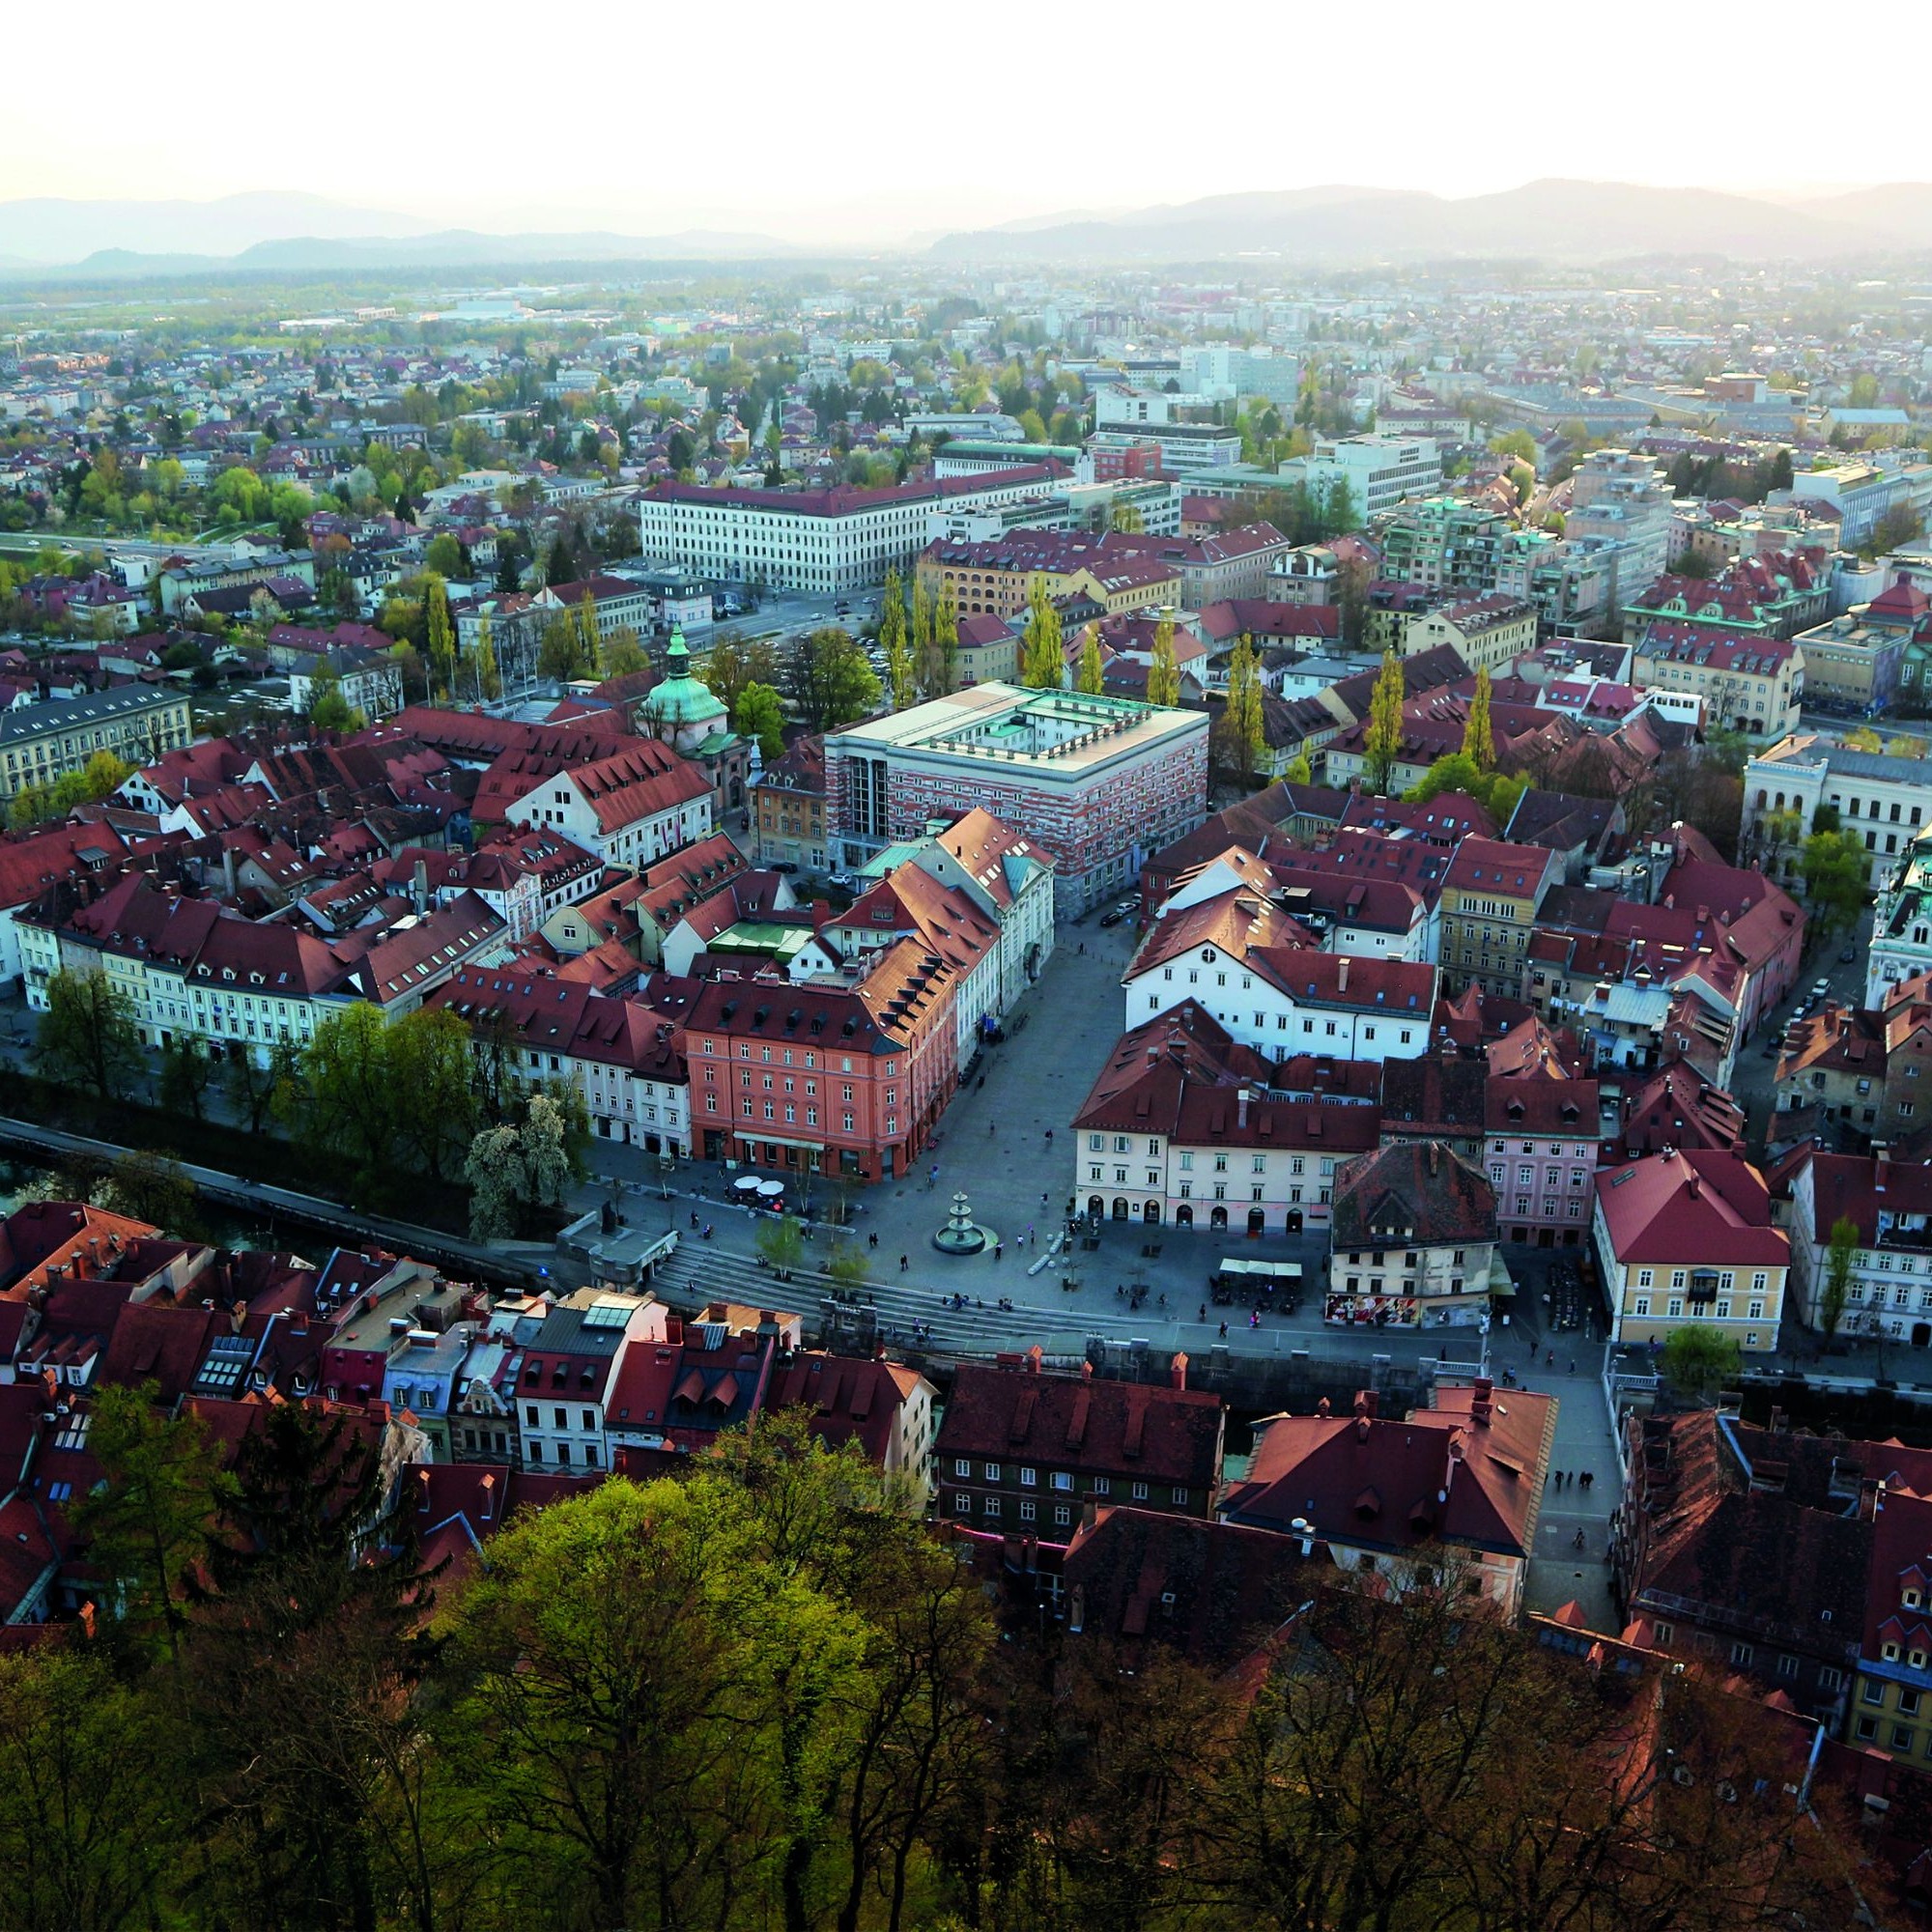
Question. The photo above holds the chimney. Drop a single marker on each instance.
(228, 886)
(420, 885)
(1033, 1359)
(1341, 974)
(489, 1487)
(1176, 1373)
(422, 1490)
(1482, 1401)
(237, 1316)
(1695, 1186)
(1086, 1372)
(1241, 1106)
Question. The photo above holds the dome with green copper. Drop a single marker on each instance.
(681, 700)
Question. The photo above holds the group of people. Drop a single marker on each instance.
(1581, 1478)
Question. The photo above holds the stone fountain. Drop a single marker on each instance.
(961, 1233)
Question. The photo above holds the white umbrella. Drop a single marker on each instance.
(771, 1188)
(748, 1183)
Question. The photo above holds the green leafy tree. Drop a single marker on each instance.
(1164, 669)
(1042, 651)
(329, 710)
(147, 1523)
(945, 637)
(483, 662)
(1698, 1359)
(1381, 745)
(829, 681)
(1241, 721)
(186, 1075)
(1299, 770)
(760, 715)
(89, 1036)
(302, 1660)
(1839, 1256)
(1479, 742)
(624, 653)
(90, 1827)
(444, 555)
(560, 652)
(1090, 678)
(780, 1244)
(428, 1073)
(344, 1103)
(439, 638)
(1126, 519)
(732, 664)
(1832, 867)
(893, 642)
(519, 1165)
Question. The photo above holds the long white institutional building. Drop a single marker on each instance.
(820, 540)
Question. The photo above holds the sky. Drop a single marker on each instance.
(868, 123)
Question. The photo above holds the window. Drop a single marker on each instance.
(991, 1507)
(1027, 1511)
(1741, 1653)
(1787, 1666)
(961, 1466)
(1179, 1497)
(1062, 1480)
(1140, 1493)
(1868, 1730)
(1028, 1478)
(963, 1504)
(992, 1472)
(1102, 1485)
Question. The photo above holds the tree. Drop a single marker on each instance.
(1126, 519)
(302, 1660)
(624, 653)
(344, 1103)
(893, 642)
(444, 555)
(91, 1826)
(829, 680)
(732, 664)
(1381, 746)
(89, 1036)
(1089, 676)
(1862, 738)
(428, 1072)
(1164, 671)
(780, 1244)
(252, 1089)
(483, 662)
(588, 630)
(760, 715)
(556, 1132)
(1832, 867)
(1699, 1359)
(147, 1523)
(1840, 1253)
(186, 1072)
(1043, 652)
(439, 648)
(1479, 744)
(945, 637)
(1241, 722)
(560, 653)
(1299, 770)
(1515, 442)
(329, 710)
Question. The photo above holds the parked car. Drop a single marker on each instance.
(1846, 958)
(1115, 917)
(1820, 987)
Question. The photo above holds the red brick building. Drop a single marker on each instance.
(825, 1078)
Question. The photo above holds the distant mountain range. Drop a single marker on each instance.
(1335, 225)
(1574, 220)
(112, 241)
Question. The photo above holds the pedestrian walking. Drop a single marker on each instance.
(998, 1248)
(903, 1259)
(873, 1240)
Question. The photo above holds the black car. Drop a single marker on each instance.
(1113, 918)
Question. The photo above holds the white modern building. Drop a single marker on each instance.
(824, 541)
(1380, 470)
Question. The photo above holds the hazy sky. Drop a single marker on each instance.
(869, 121)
